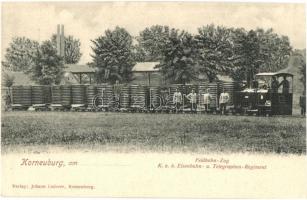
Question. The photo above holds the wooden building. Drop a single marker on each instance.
(145, 73)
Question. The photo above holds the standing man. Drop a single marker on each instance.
(193, 100)
(274, 85)
(274, 93)
(224, 98)
(177, 99)
(117, 93)
(207, 100)
(285, 85)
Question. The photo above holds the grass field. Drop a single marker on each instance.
(153, 132)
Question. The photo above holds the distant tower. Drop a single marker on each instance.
(60, 40)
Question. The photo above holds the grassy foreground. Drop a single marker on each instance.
(154, 132)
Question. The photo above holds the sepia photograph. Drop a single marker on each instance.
(153, 99)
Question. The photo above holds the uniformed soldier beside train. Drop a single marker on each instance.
(285, 85)
(275, 85)
(207, 100)
(224, 99)
(193, 101)
(177, 100)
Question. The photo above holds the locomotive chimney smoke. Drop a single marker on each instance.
(62, 41)
(58, 40)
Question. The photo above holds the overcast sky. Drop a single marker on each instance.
(87, 21)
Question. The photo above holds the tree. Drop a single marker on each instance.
(303, 72)
(138, 53)
(275, 50)
(258, 51)
(301, 62)
(215, 51)
(19, 54)
(8, 80)
(72, 49)
(178, 63)
(113, 56)
(251, 54)
(152, 41)
(48, 67)
(238, 37)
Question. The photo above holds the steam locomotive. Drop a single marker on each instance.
(263, 98)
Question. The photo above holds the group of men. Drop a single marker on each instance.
(284, 83)
(206, 98)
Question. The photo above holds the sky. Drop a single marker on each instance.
(87, 21)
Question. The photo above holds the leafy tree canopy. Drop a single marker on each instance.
(179, 58)
(300, 60)
(215, 51)
(258, 51)
(72, 49)
(19, 54)
(48, 66)
(8, 80)
(152, 41)
(113, 56)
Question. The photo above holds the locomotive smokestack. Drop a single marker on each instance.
(62, 41)
(58, 41)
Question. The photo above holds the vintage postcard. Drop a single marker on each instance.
(153, 99)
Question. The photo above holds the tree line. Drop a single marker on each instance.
(213, 50)
(40, 62)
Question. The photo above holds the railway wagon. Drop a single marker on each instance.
(37, 96)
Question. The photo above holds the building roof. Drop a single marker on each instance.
(279, 73)
(74, 68)
(138, 67)
(145, 67)
(224, 78)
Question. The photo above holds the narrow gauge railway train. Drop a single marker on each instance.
(140, 98)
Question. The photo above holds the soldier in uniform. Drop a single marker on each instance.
(224, 98)
(177, 99)
(285, 85)
(274, 85)
(207, 100)
(274, 94)
(193, 100)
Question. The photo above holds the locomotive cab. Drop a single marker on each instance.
(270, 94)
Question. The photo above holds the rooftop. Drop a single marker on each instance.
(138, 67)
(145, 67)
(74, 68)
(279, 73)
